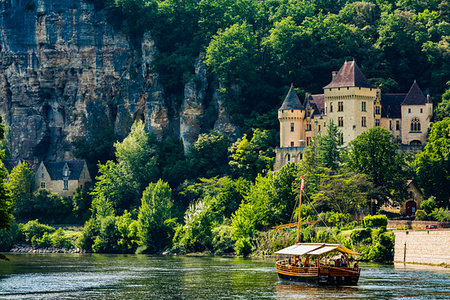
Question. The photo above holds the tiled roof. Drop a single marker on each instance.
(319, 101)
(55, 169)
(349, 75)
(391, 105)
(291, 101)
(415, 96)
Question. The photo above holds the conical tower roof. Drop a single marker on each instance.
(291, 101)
(348, 76)
(415, 96)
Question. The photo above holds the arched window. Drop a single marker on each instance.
(415, 124)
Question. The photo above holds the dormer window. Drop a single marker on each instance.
(66, 173)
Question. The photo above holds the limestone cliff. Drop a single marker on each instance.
(65, 73)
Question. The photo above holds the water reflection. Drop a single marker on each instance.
(143, 277)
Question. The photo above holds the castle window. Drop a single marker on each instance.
(340, 121)
(409, 110)
(308, 126)
(340, 106)
(319, 127)
(363, 106)
(363, 121)
(397, 125)
(292, 126)
(66, 172)
(421, 110)
(292, 144)
(331, 107)
(288, 157)
(390, 124)
(341, 138)
(42, 174)
(66, 185)
(415, 124)
(308, 140)
(292, 110)
(377, 122)
(377, 110)
(42, 184)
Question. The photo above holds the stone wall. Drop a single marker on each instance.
(407, 224)
(422, 246)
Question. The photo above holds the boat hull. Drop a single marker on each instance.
(322, 276)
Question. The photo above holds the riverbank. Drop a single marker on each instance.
(25, 248)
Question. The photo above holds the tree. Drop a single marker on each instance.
(374, 153)
(138, 155)
(433, 164)
(328, 147)
(443, 108)
(6, 217)
(231, 52)
(153, 217)
(20, 183)
(208, 157)
(345, 192)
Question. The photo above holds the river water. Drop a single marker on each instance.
(62, 276)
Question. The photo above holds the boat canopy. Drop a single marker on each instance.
(314, 249)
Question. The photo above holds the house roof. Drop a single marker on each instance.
(318, 101)
(291, 101)
(391, 105)
(415, 96)
(349, 75)
(55, 169)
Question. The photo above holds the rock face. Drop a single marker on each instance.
(66, 73)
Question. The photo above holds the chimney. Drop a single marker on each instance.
(333, 74)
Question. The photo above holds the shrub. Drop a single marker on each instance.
(106, 241)
(88, 234)
(34, 228)
(361, 235)
(60, 240)
(441, 214)
(243, 247)
(41, 242)
(429, 205)
(9, 237)
(421, 215)
(222, 240)
(375, 221)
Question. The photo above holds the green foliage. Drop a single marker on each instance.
(90, 231)
(441, 214)
(9, 237)
(333, 219)
(231, 52)
(196, 233)
(154, 232)
(374, 153)
(442, 110)
(108, 235)
(375, 221)
(6, 217)
(433, 164)
(60, 239)
(208, 156)
(222, 240)
(361, 236)
(128, 233)
(172, 161)
(328, 147)
(421, 215)
(243, 247)
(429, 204)
(34, 229)
(82, 202)
(346, 192)
(20, 183)
(382, 248)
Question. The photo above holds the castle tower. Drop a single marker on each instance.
(352, 102)
(291, 115)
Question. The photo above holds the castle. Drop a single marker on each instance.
(354, 105)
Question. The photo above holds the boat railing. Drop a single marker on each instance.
(285, 266)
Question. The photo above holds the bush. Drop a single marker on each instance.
(429, 205)
(421, 215)
(88, 234)
(375, 221)
(359, 236)
(10, 237)
(35, 229)
(243, 247)
(41, 242)
(222, 241)
(441, 214)
(106, 241)
(382, 248)
(60, 240)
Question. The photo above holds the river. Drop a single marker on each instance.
(62, 276)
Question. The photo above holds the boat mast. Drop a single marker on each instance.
(302, 186)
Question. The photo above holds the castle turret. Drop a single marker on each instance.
(291, 115)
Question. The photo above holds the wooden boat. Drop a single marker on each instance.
(310, 262)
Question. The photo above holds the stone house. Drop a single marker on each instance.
(62, 177)
(355, 106)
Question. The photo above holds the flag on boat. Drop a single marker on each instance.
(303, 184)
